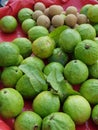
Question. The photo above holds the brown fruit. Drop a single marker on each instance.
(36, 14)
(43, 20)
(46, 12)
(81, 18)
(71, 20)
(39, 6)
(71, 10)
(57, 20)
(55, 9)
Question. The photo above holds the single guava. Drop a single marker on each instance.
(24, 45)
(89, 90)
(9, 54)
(45, 103)
(43, 47)
(78, 108)
(24, 13)
(87, 51)
(11, 102)
(76, 72)
(86, 31)
(85, 8)
(36, 32)
(28, 120)
(68, 39)
(10, 76)
(92, 13)
(58, 121)
(27, 24)
(8, 24)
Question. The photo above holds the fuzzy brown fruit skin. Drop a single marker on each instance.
(39, 6)
(43, 20)
(55, 9)
(57, 20)
(36, 14)
(46, 12)
(81, 18)
(71, 20)
(71, 10)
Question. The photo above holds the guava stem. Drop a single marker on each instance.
(51, 117)
(87, 46)
(35, 127)
(5, 92)
(75, 61)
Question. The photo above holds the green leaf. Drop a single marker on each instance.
(56, 33)
(35, 76)
(66, 90)
(54, 77)
(59, 85)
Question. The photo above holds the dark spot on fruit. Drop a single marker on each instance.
(87, 46)
(35, 127)
(5, 91)
(75, 61)
(48, 127)
(16, 71)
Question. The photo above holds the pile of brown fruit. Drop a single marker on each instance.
(55, 16)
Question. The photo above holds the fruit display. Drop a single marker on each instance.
(49, 68)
